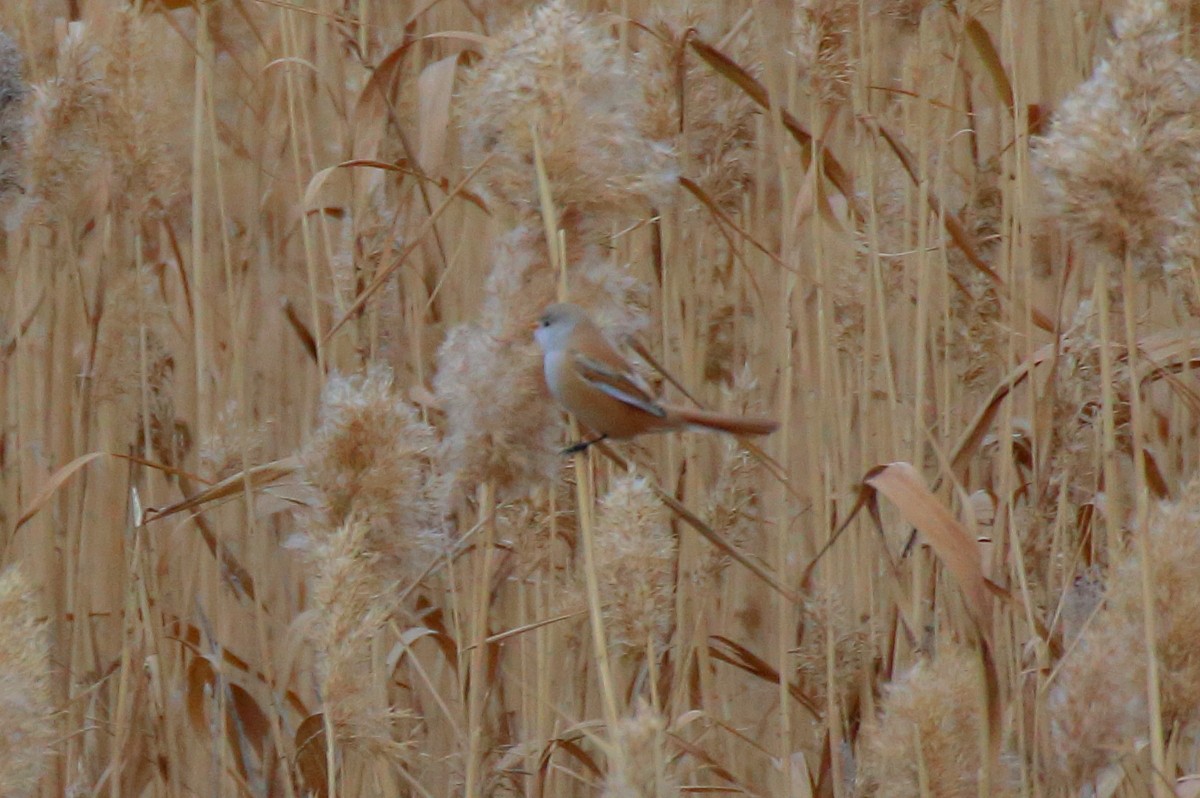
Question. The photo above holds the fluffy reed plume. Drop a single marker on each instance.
(559, 74)
(352, 605)
(1083, 596)
(906, 12)
(24, 687)
(1121, 164)
(106, 120)
(13, 91)
(63, 147)
(1098, 709)
(640, 767)
(733, 512)
(371, 459)
(135, 371)
(528, 529)
(522, 283)
(824, 32)
(1174, 563)
(710, 122)
(144, 146)
(853, 652)
(235, 442)
(501, 424)
(1075, 435)
(926, 738)
(635, 565)
(980, 339)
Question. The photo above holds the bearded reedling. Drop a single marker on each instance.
(590, 379)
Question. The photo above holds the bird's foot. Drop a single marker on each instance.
(575, 448)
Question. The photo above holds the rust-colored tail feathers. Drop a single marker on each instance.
(736, 425)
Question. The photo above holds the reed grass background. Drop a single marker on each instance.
(283, 507)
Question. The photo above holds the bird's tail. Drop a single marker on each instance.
(736, 425)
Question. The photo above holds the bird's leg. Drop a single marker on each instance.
(579, 447)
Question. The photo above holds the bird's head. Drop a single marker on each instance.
(555, 325)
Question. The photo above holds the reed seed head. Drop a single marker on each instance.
(635, 565)
(560, 78)
(351, 607)
(929, 720)
(711, 122)
(371, 460)
(1121, 164)
(25, 701)
(640, 767)
(502, 426)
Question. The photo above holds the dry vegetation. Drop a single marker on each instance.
(283, 507)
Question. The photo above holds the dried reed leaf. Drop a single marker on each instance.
(985, 48)
(62, 475)
(301, 329)
(446, 645)
(480, 41)
(904, 487)
(976, 431)
(189, 636)
(435, 88)
(201, 675)
(245, 722)
(318, 180)
(736, 74)
(434, 619)
(371, 111)
(500, 637)
(740, 657)
(56, 481)
(1163, 355)
(152, 6)
(568, 741)
(1156, 481)
(710, 763)
(253, 726)
(722, 217)
(825, 774)
(310, 754)
(1171, 349)
(831, 167)
(250, 479)
(201, 678)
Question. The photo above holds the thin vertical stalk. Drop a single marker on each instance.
(1141, 534)
(479, 633)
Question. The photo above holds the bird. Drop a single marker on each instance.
(593, 382)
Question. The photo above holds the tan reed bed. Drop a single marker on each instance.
(280, 482)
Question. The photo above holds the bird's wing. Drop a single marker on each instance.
(620, 384)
